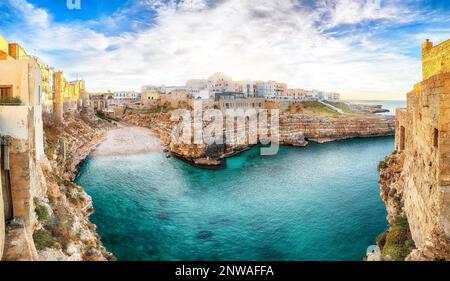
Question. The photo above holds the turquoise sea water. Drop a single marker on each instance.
(316, 203)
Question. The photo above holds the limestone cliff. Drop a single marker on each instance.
(62, 230)
(294, 129)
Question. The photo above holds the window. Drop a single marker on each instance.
(5, 92)
(436, 138)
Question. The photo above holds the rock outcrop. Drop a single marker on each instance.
(294, 129)
(322, 128)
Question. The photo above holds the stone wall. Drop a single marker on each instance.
(435, 59)
(416, 181)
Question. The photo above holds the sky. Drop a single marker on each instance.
(363, 49)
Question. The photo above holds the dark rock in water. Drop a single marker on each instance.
(205, 234)
(214, 150)
(163, 216)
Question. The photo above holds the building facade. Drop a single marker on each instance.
(220, 83)
(267, 89)
(148, 98)
(126, 95)
(21, 143)
(249, 89)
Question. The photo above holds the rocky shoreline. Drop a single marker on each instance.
(295, 130)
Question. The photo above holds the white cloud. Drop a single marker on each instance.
(256, 39)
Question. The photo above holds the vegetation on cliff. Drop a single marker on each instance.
(314, 107)
(63, 230)
(342, 106)
(396, 243)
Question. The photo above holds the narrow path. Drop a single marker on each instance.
(126, 140)
(332, 107)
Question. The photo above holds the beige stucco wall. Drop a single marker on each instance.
(15, 122)
(25, 77)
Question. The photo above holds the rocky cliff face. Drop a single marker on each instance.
(321, 128)
(294, 129)
(62, 230)
(402, 202)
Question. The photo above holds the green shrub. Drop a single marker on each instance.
(43, 240)
(381, 165)
(398, 243)
(317, 107)
(41, 210)
(10, 101)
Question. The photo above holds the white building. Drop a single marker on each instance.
(151, 88)
(126, 95)
(202, 94)
(267, 89)
(198, 88)
(249, 89)
(22, 79)
(220, 83)
(170, 89)
(333, 96)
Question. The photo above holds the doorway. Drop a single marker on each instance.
(6, 180)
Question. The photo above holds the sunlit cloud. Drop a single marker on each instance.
(329, 45)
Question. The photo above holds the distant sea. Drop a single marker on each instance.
(390, 104)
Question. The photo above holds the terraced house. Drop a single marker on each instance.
(21, 136)
(28, 88)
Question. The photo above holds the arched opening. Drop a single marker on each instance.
(6, 179)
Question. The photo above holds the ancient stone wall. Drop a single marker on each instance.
(435, 60)
(416, 136)
(421, 186)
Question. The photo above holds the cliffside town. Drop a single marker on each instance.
(47, 127)
(415, 179)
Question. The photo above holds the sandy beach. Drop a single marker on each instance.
(125, 140)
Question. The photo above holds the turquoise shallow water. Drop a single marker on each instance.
(315, 203)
